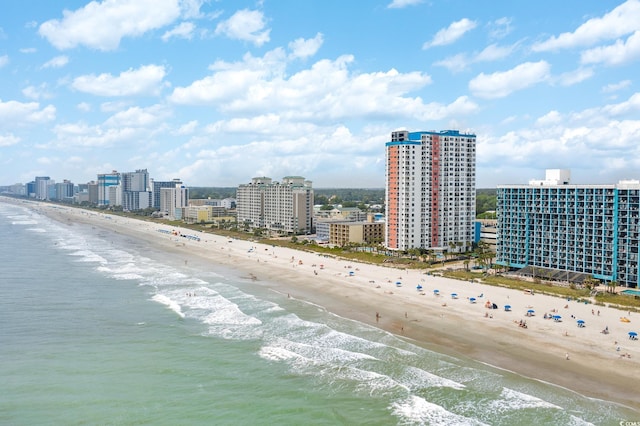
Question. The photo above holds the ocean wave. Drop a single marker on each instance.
(417, 410)
(175, 307)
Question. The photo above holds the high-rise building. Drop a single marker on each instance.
(284, 207)
(136, 194)
(430, 190)
(42, 187)
(156, 186)
(557, 230)
(105, 181)
(174, 200)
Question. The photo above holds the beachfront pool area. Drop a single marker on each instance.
(631, 292)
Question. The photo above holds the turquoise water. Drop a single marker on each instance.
(98, 328)
(631, 292)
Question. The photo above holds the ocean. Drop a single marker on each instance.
(97, 328)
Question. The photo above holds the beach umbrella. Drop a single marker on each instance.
(398, 283)
(454, 295)
(633, 334)
(507, 307)
(436, 291)
(472, 300)
(580, 321)
(419, 287)
(530, 311)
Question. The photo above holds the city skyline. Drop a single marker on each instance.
(218, 92)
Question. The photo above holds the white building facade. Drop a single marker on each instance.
(430, 190)
(284, 207)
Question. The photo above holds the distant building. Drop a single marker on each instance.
(174, 200)
(156, 186)
(42, 184)
(342, 233)
(554, 229)
(430, 190)
(136, 192)
(284, 207)
(65, 191)
(106, 188)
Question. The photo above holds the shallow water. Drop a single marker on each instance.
(99, 328)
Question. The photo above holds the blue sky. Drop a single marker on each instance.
(218, 92)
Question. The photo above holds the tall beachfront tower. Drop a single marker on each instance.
(557, 230)
(106, 183)
(430, 190)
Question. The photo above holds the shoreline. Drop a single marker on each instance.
(458, 327)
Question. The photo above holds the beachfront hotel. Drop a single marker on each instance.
(553, 229)
(282, 207)
(430, 190)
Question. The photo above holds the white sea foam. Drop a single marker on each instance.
(88, 256)
(273, 353)
(416, 410)
(417, 378)
(24, 222)
(514, 400)
(39, 230)
(169, 303)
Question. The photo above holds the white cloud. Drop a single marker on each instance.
(139, 117)
(501, 84)
(450, 34)
(28, 50)
(399, 4)
(37, 92)
(624, 19)
(84, 107)
(500, 28)
(19, 113)
(552, 117)
(8, 140)
(461, 61)
(101, 25)
(187, 128)
(73, 135)
(183, 30)
(246, 25)
(326, 91)
(191, 8)
(573, 77)
(57, 62)
(618, 53)
(556, 138)
(301, 48)
(614, 87)
(146, 80)
(4, 60)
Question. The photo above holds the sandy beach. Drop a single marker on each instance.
(405, 302)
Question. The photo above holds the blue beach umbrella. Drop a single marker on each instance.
(507, 307)
(472, 300)
(633, 334)
(580, 321)
(436, 291)
(530, 311)
(419, 287)
(454, 295)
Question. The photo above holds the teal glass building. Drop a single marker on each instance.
(570, 231)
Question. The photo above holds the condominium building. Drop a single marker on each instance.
(570, 232)
(174, 200)
(368, 232)
(136, 192)
(285, 207)
(42, 187)
(157, 185)
(107, 181)
(430, 190)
